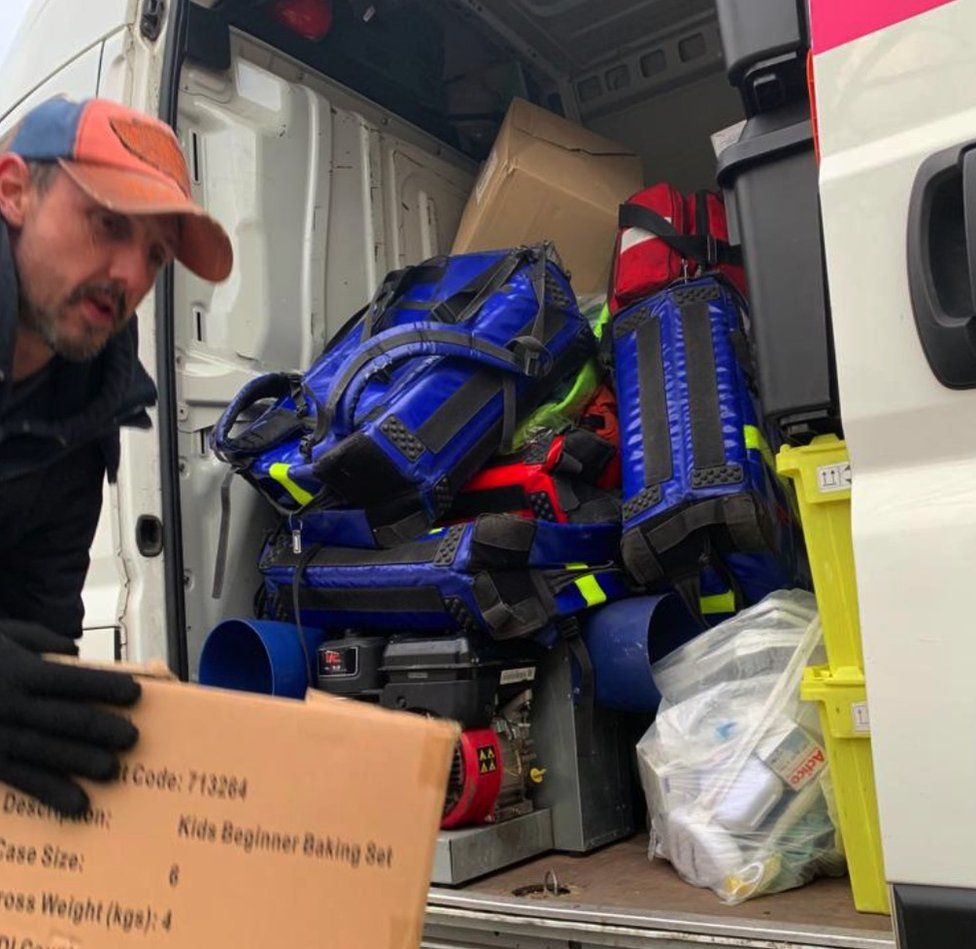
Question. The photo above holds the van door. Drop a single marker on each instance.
(122, 50)
(56, 53)
(896, 109)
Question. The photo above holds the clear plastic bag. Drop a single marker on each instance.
(733, 768)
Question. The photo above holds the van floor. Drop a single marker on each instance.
(621, 876)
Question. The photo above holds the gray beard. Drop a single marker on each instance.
(45, 324)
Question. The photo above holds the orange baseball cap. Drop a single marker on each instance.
(130, 163)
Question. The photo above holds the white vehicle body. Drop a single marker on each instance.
(324, 191)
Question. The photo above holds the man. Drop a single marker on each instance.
(94, 203)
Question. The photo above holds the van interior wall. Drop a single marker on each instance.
(671, 130)
(323, 193)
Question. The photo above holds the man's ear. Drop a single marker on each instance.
(15, 189)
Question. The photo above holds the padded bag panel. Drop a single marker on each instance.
(698, 486)
(500, 574)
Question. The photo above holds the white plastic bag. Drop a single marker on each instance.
(733, 768)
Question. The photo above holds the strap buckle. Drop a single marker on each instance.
(534, 360)
(711, 250)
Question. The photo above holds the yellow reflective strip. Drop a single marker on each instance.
(718, 603)
(279, 471)
(754, 440)
(591, 591)
(577, 566)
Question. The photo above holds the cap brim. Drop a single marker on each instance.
(204, 246)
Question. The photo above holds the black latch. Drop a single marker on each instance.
(151, 24)
(149, 535)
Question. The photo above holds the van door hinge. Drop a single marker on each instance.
(153, 14)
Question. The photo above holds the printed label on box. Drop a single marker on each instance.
(831, 478)
(797, 759)
(861, 718)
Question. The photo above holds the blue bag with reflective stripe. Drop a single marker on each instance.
(704, 511)
(415, 393)
(500, 574)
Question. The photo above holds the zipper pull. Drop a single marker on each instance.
(296, 537)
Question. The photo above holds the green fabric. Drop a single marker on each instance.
(563, 410)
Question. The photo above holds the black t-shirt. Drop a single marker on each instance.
(31, 397)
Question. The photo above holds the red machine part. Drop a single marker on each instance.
(311, 19)
(476, 779)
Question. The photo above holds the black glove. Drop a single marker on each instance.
(50, 728)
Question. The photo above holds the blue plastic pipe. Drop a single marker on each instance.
(625, 639)
(263, 656)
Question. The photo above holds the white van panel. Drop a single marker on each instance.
(424, 205)
(321, 196)
(357, 254)
(105, 69)
(102, 585)
(78, 79)
(66, 38)
(885, 102)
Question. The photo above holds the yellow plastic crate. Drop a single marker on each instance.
(847, 734)
(821, 474)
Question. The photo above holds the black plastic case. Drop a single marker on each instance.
(765, 44)
(772, 174)
(452, 678)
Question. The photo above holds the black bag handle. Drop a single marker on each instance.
(524, 356)
(271, 428)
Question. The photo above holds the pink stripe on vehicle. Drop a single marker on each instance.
(835, 22)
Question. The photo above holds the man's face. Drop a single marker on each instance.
(83, 269)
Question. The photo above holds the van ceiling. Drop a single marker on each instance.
(575, 35)
(452, 66)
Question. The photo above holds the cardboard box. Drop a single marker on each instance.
(550, 179)
(240, 821)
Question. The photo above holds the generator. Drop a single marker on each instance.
(484, 686)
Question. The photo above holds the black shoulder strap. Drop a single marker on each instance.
(272, 427)
(470, 298)
(706, 249)
(394, 285)
(296, 586)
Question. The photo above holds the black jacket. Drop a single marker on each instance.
(59, 434)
